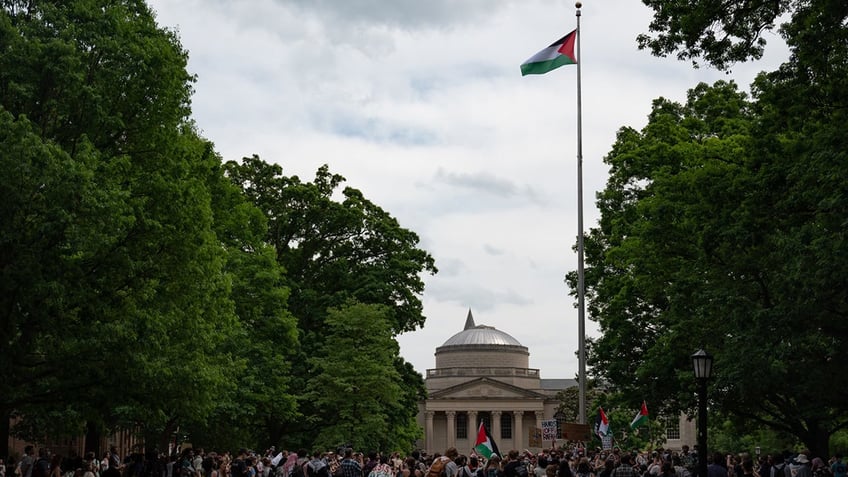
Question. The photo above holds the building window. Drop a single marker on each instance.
(560, 420)
(486, 419)
(506, 426)
(462, 425)
(672, 428)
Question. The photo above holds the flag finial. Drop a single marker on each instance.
(578, 5)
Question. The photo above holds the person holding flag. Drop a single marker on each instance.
(601, 424)
(485, 444)
(641, 417)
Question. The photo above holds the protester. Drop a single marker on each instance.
(838, 468)
(624, 469)
(800, 466)
(349, 466)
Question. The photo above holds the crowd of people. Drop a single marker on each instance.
(574, 461)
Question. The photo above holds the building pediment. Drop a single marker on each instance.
(485, 388)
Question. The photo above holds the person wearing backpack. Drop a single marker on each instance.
(451, 467)
(317, 466)
(438, 468)
(41, 467)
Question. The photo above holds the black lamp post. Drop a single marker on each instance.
(703, 363)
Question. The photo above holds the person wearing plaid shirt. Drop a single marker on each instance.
(349, 466)
(624, 469)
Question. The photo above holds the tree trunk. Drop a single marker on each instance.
(164, 440)
(5, 429)
(92, 440)
(817, 440)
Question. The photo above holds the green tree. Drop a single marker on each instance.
(114, 292)
(724, 33)
(250, 410)
(335, 251)
(354, 383)
(723, 226)
(568, 399)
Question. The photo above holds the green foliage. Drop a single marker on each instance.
(723, 226)
(569, 402)
(250, 409)
(334, 251)
(145, 285)
(728, 436)
(116, 278)
(720, 33)
(724, 33)
(354, 383)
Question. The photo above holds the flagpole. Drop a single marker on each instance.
(581, 290)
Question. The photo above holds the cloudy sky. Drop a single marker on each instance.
(420, 104)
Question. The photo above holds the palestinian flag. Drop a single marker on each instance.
(641, 417)
(485, 445)
(601, 423)
(561, 52)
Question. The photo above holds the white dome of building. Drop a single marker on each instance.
(481, 335)
(481, 346)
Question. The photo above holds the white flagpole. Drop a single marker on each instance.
(581, 290)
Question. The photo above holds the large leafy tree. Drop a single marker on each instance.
(355, 385)
(250, 408)
(114, 294)
(337, 250)
(723, 225)
(334, 251)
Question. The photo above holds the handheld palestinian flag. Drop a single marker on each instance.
(601, 423)
(561, 52)
(641, 417)
(485, 445)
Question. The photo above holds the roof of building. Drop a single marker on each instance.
(480, 335)
(557, 384)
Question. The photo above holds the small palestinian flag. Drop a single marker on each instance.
(485, 445)
(641, 417)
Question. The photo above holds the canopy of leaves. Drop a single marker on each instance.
(354, 383)
(723, 225)
(334, 251)
(724, 33)
(121, 241)
(337, 251)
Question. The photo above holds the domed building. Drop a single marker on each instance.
(483, 374)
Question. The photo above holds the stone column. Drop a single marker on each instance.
(496, 426)
(428, 431)
(451, 428)
(539, 418)
(517, 434)
(472, 426)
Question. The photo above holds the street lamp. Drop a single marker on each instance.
(703, 364)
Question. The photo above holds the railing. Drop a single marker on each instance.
(516, 372)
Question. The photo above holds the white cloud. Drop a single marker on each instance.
(422, 107)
